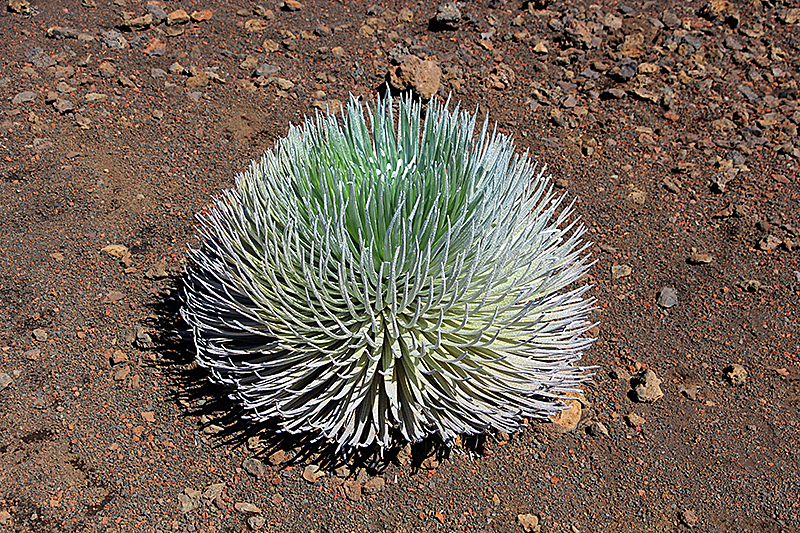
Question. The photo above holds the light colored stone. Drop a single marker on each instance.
(62, 105)
(212, 492)
(138, 23)
(277, 458)
(200, 79)
(736, 375)
(566, 420)
(648, 387)
(598, 429)
(374, 485)
(156, 47)
(352, 490)
(430, 462)
(121, 372)
(689, 518)
(256, 522)
(750, 285)
(634, 419)
(179, 16)
(116, 250)
(117, 357)
(405, 15)
(247, 508)
(188, 500)
(404, 455)
(790, 16)
(249, 63)
(284, 84)
(312, 473)
(667, 297)
(23, 97)
(700, 258)
(291, 5)
(255, 25)
(769, 243)
(620, 271)
(254, 467)
(637, 197)
(421, 76)
(202, 15)
(158, 270)
(19, 6)
(529, 523)
(501, 77)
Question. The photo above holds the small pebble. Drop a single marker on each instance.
(690, 391)
(448, 17)
(529, 522)
(647, 388)
(735, 374)
(374, 485)
(404, 455)
(689, 518)
(256, 522)
(254, 467)
(188, 500)
(567, 420)
(667, 297)
(63, 105)
(312, 473)
(620, 271)
(115, 250)
(277, 458)
(750, 285)
(597, 429)
(699, 258)
(634, 419)
(247, 508)
(352, 490)
(23, 97)
(212, 492)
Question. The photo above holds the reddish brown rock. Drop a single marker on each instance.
(566, 420)
(414, 74)
(179, 16)
(202, 15)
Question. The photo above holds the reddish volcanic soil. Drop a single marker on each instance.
(673, 126)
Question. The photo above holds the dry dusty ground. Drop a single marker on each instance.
(673, 125)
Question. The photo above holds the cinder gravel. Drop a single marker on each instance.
(673, 126)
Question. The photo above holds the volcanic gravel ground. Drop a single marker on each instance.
(672, 125)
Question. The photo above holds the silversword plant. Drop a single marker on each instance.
(391, 273)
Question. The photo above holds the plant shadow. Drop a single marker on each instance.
(226, 423)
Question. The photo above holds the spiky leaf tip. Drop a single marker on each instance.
(391, 272)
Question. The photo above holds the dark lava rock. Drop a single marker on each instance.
(158, 13)
(448, 17)
(623, 71)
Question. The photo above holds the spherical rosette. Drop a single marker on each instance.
(391, 273)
